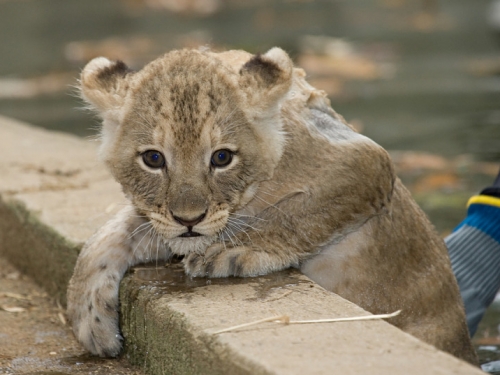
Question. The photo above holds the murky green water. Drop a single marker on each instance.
(431, 101)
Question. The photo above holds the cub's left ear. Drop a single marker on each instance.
(266, 78)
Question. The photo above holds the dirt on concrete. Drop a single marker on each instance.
(35, 337)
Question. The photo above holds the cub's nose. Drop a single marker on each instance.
(188, 222)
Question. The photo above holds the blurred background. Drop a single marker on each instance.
(420, 77)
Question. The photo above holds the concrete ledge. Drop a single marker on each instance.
(54, 194)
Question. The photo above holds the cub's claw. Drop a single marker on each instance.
(221, 262)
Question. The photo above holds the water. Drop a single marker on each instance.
(173, 279)
(432, 99)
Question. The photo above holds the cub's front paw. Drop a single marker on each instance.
(95, 323)
(221, 262)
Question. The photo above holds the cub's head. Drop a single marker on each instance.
(190, 136)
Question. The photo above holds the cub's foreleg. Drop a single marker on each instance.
(279, 238)
(125, 240)
(299, 224)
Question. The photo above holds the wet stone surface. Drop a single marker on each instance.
(171, 278)
(165, 314)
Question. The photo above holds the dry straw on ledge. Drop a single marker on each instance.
(285, 319)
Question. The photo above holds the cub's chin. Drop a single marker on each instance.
(187, 245)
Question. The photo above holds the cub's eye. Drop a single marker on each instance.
(153, 159)
(221, 158)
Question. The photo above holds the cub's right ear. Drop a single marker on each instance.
(103, 84)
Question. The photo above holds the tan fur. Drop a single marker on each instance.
(302, 190)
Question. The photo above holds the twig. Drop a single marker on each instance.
(354, 318)
(285, 319)
(271, 319)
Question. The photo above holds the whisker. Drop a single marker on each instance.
(271, 205)
(149, 246)
(139, 216)
(221, 239)
(226, 232)
(136, 232)
(157, 248)
(139, 229)
(234, 236)
(271, 195)
(249, 216)
(242, 230)
(144, 209)
(142, 239)
(255, 230)
(241, 223)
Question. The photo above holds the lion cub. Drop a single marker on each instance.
(235, 162)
